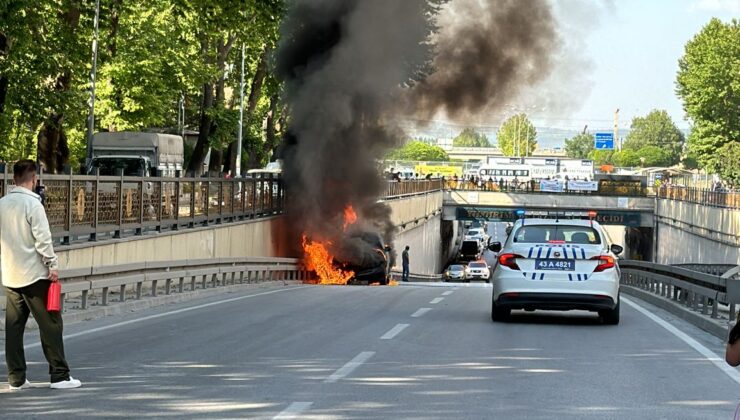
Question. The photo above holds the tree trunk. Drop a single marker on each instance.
(270, 131)
(201, 147)
(52, 148)
(255, 91)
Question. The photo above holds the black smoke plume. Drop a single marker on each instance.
(488, 52)
(351, 67)
(343, 63)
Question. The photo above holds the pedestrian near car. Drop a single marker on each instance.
(405, 264)
(28, 266)
(732, 354)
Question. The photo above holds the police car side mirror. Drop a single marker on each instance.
(616, 249)
(495, 247)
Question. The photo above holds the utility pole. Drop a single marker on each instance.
(241, 120)
(93, 72)
(616, 130)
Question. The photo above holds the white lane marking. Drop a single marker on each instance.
(420, 312)
(447, 293)
(162, 315)
(293, 411)
(349, 367)
(700, 348)
(394, 331)
(436, 300)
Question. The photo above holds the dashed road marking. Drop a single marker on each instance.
(420, 312)
(447, 293)
(293, 411)
(349, 367)
(162, 315)
(394, 331)
(703, 350)
(436, 300)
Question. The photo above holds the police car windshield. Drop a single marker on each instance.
(560, 234)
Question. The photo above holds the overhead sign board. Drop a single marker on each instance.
(605, 217)
(604, 141)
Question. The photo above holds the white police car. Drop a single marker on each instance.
(556, 264)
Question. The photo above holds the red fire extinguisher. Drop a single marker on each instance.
(54, 298)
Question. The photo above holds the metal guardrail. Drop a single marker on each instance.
(727, 199)
(83, 206)
(626, 190)
(131, 281)
(398, 189)
(701, 292)
(714, 269)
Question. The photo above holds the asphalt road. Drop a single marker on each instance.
(375, 352)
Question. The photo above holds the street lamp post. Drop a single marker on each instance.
(93, 72)
(241, 119)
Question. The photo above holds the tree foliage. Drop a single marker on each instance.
(579, 146)
(470, 138)
(151, 55)
(419, 151)
(517, 136)
(708, 82)
(656, 129)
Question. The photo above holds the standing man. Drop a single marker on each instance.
(405, 262)
(28, 265)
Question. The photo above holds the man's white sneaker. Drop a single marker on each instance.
(68, 384)
(27, 384)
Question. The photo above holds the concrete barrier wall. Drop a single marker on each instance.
(695, 233)
(252, 238)
(419, 222)
(418, 219)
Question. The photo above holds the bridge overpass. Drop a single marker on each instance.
(189, 309)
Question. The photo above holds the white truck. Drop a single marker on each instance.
(136, 154)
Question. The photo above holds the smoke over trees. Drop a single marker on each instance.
(351, 67)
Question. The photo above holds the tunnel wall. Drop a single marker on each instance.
(695, 233)
(419, 225)
(253, 238)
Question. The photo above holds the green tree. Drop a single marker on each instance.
(470, 138)
(603, 157)
(517, 136)
(655, 156)
(419, 151)
(708, 82)
(656, 129)
(728, 164)
(579, 146)
(627, 158)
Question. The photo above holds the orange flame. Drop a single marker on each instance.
(320, 261)
(350, 217)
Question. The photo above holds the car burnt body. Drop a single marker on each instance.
(367, 256)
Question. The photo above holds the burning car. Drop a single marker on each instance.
(357, 256)
(371, 265)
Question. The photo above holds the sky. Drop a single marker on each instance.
(631, 48)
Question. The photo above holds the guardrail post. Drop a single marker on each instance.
(181, 285)
(117, 233)
(140, 228)
(104, 296)
(83, 299)
(176, 205)
(162, 201)
(68, 221)
(96, 206)
(220, 202)
(122, 297)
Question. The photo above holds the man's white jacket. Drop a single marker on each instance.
(26, 249)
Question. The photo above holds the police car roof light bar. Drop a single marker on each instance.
(521, 213)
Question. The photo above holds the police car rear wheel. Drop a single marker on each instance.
(610, 317)
(499, 314)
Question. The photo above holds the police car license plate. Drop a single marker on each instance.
(550, 264)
